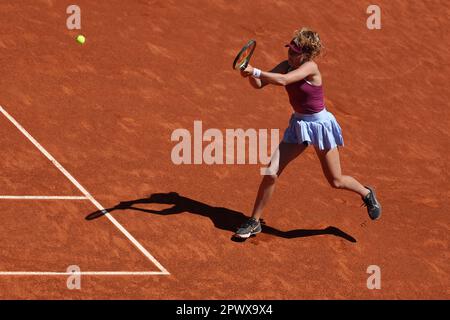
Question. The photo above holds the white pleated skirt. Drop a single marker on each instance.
(320, 129)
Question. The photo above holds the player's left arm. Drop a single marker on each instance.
(305, 70)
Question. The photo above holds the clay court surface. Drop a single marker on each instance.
(105, 111)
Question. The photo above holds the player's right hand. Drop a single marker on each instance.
(244, 74)
(247, 71)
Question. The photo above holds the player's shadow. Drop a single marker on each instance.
(223, 218)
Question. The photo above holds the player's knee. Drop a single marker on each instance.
(337, 183)
(271, 178)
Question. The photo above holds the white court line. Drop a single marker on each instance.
(83, 273)
(85, 192)
(43, 198)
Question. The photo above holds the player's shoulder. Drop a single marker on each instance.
(312, 65)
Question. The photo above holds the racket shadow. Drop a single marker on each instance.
(222, 218)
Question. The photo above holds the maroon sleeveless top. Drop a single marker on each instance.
(305, 98)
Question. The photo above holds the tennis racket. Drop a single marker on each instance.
(243, 57)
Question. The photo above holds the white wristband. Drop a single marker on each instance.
(256, 73)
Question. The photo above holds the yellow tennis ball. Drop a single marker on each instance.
(81, 39)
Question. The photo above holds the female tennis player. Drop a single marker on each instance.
(310, 124)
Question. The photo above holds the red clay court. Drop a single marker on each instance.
(86, 128)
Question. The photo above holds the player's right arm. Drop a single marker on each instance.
(282, 67)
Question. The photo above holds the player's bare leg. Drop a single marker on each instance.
(287, 153)
(331, 166)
